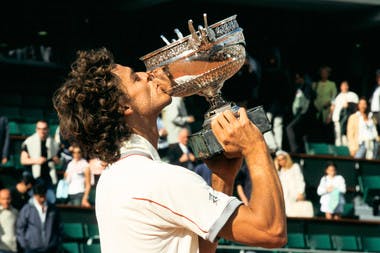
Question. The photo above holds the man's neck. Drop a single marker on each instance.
(146, 128)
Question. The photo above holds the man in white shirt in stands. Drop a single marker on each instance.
(344, 104)
(146, 205)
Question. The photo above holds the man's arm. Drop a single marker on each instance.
(263, 222)
(25, 159)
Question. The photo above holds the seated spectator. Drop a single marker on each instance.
(362, 134)
(21, 192)
(39, 154)
(38, 225)
(8, 217)
(180, 153)
(96, 167)
(293, 186)
(78, 176)
(332, 188)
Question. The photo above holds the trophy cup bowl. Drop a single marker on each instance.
(199, 64)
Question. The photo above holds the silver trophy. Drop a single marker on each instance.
(199, 64)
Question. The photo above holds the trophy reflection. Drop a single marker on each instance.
(199, 64)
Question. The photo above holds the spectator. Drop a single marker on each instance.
(342, 107)
(332, 188)
(4, 139)
(39, 154)
(96, 167)
(293, 186)
(8, 216)
(180, 153)
(375, 101)
(204, 171)
(296, 130)
(78, 176)
(243, 184)
(64, 151)
(175, 117)
(276, 96)
(38, 225)
(21, 192)
(325, 92)
(361, 133)
(163, 144)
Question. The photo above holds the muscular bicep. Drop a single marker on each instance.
(245, 226)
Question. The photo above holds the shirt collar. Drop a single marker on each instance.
(139, 143)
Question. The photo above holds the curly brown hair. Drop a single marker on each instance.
(91, 104)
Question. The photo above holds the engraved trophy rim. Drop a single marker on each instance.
(186, 38)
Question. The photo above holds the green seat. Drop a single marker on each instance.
(320, 241)
(92, 248)
(73, 232)
(370, 186)
(91, 232)
(345, 242)
(296, 240)
(71, 247)
(342, 151)
(371, 244)
(14, 128)
(318, 148)
(28, 128)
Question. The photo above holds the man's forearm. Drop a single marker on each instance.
(266, 198)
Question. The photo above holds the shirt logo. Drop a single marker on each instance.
(213, 197)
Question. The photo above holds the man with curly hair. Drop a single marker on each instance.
(146, 205)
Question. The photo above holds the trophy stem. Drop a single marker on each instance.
(215, 101)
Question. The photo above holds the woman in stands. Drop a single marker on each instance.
(78, 175)
(293, 186)
(332, 188)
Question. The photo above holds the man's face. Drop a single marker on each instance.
(183, 137)
(5, 198)
(147, 91)
(362, 105)
(344, 87)
(40, 198)
(324, 73)
(42, 130)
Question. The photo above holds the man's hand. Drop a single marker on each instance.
(41, 160)
(237, 136)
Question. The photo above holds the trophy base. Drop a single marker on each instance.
(205, 145)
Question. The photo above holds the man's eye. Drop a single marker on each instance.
(136, 77)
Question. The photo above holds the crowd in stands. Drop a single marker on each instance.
(351, 119)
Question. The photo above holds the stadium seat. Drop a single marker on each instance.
(71, 247)
(345, 242)
(341, 151)
(73, 232)
(371, 244)
(93, 248)
(370, 186)
(320, 241)
(318, 148)
(14, 128)
(296, 240)
(28, 129)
